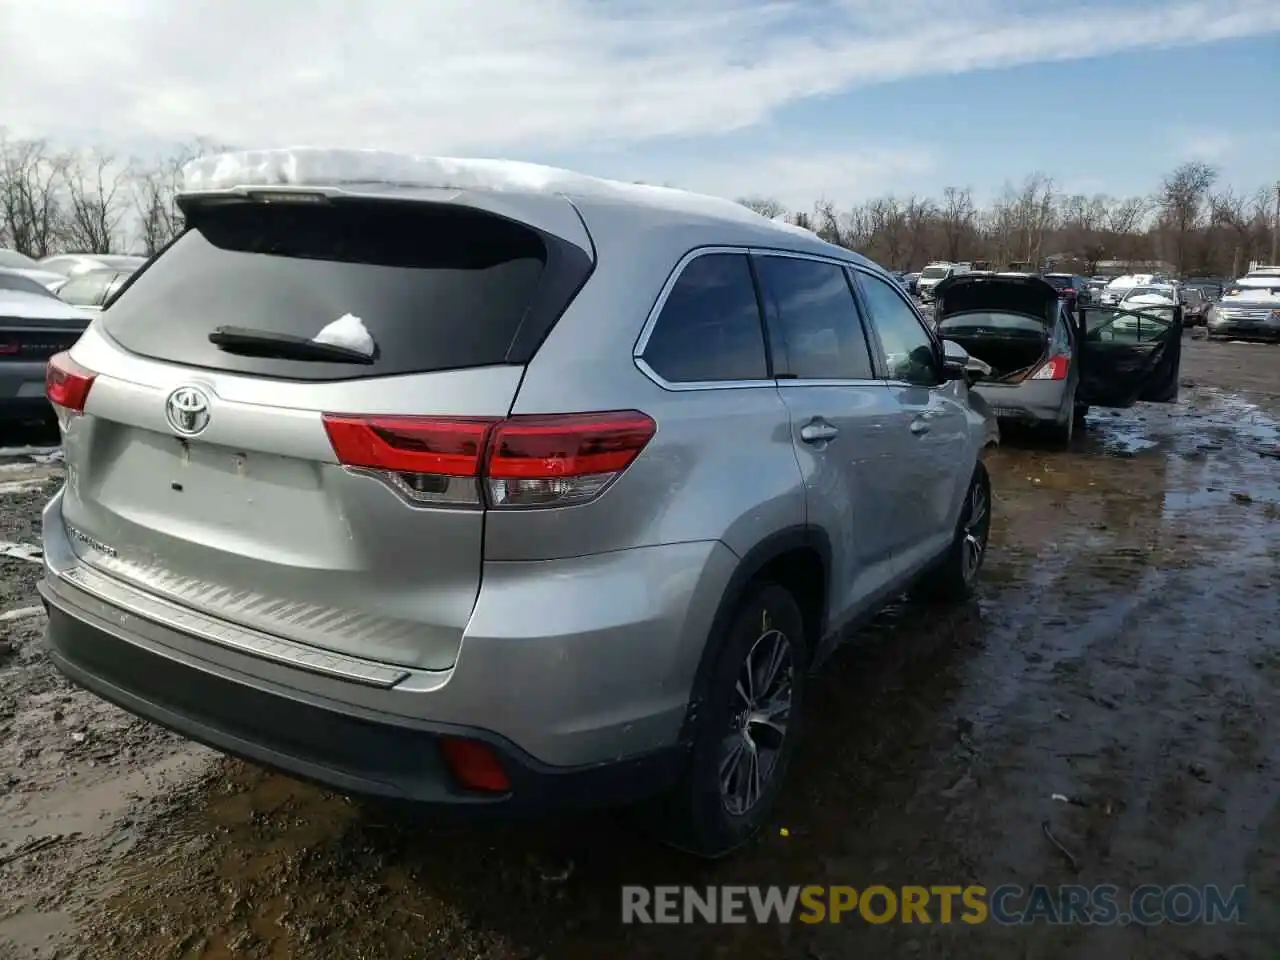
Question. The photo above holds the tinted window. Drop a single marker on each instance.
(817, 319)
(709, 327)
(1059, 282)
(908, 348)
(85, 290)
(436, 287)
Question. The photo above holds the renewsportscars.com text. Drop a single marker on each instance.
(1008, 904)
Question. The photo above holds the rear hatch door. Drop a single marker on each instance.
(203, 468)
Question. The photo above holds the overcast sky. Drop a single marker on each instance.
(842, 98)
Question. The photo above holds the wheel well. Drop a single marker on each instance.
(801, 570)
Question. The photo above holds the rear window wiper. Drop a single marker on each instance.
(282, 346)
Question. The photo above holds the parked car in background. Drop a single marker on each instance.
(1116, 289)
(931, 276)
(1211, 288)
(92, 289)
(74, 264)
(21, 263)
(913, 283)
(14, 280)
(1195, 306)
(34, 325)
(1049, 367)
(1249, 308)
(414, 553)
(1071, 288)
(1150, 294)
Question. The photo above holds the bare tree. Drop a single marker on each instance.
(765, 206)
(1182, 199)
(31, 180)
(957, 216)
(95, 203)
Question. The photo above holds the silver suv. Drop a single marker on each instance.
(448, 482)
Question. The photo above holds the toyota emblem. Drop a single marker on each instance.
(187, 411)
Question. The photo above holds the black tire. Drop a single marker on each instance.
(1080, 412)
(952, 580)
(700, 816)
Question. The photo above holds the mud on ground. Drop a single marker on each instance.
(1122, 653)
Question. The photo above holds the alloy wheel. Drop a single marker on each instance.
(976, 525)
(752, 746)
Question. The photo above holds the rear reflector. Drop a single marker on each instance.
(521, 461)
(1055, 368)
(474, 765)
(66, 383)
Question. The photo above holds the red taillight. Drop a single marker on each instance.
(442, 446)
(474, 765)
(66, 383)
(1055, 368)
(522, 461)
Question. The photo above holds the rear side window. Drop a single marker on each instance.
(436, 287)
(709, 328)
(811, 305)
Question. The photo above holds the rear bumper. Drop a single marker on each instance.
(22, 391)
(301, 735)
(578, 685)
(1030, 402)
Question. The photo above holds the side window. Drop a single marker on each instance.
(817, 319)
(908, 348)
(709, 328)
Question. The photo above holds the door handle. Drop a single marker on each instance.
(818, 431)
(919, 426)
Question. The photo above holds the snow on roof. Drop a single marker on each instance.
(314, 166)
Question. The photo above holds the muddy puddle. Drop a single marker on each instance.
(1121, 655)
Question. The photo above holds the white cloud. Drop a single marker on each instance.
(510, 75)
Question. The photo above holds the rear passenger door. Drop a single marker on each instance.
(841, 415)
(931, 451)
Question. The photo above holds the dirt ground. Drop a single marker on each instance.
(1123, 652)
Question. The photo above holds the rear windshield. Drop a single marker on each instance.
(435, 287)
(1058, 282)
(980, 323)
(932, 273)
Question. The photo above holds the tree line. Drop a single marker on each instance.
(1192, 221)
(88, 201)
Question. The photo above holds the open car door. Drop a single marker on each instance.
(1129, 355)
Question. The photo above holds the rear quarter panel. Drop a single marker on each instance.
(721, 466)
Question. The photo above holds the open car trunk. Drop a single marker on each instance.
(1013, 355)
(1005, 321)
